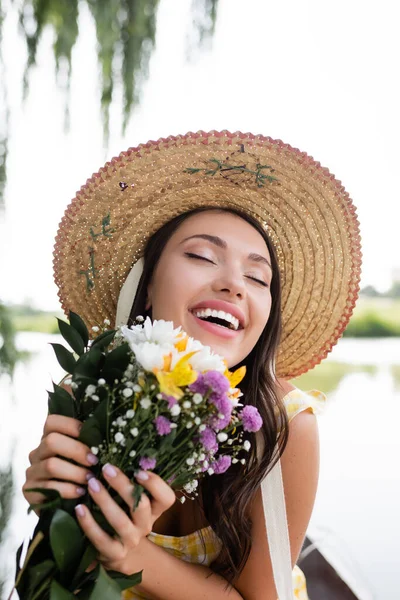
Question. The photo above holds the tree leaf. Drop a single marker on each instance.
(61, 402)
(103, 340)
(77, 323)
(57, 592)
(66, 540)
(71, 336)
(65, 358)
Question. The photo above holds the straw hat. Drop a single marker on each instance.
(305, 210)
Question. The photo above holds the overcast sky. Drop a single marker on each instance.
(322, 76)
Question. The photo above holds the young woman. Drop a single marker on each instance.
(253, 249)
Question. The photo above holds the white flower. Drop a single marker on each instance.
(139, 319)
(202, 427)
(134, 432)
(191, 486)
(222, 437)
(187, 404)
(94, 450)
(130, 413)
(136, 388)
(95, 398)
(101, 381)
(243, 461)
(173, 425)
(150, 355)
(182, 500)
(120, 422)
(234, 461)
(68, 381)
(159, 332)
(202, 456)
(197, 398)
(127, 392)
(95, 328)
(206, 464)
(246, 445)
(119, 437)
(204, 359)
(74, 386)
(129, 384)
(90, 390)
(106, 322)
(189, 425)
(230, 442)
(175, 410)
(145, 403)
(190, 461)
(210, 471)
(132, 453)
(197, 420)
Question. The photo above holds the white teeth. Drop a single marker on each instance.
(218, 314)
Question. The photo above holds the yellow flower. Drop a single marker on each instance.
(181, 376)
(235, 377)
(181, 344)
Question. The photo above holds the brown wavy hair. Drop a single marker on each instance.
(226, 499)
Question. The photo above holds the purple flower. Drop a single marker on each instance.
(147, 463)
(170, 399)
(251, 418)
(222, 464)
(217, 382)
(209, 440)
(163, 426)
(200, 386)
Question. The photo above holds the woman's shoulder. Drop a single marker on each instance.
(296, 400)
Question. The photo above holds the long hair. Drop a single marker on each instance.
(226, 499)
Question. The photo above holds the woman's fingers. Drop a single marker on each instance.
(60, 424)
(58, 444)
(57, 468)
(163, 496)
(115, 515)
(106, 545)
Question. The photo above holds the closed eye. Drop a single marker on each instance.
(192, 255)
(260, 281)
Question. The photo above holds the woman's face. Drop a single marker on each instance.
(213, 278)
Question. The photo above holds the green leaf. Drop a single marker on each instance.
(57, 592)
(89, 364)
(90, 433)
(119, 358)
(38, 573)
(65, 358)
(78, 324)
(61, 402)
(66, 540)
(105, 587)
(53, 499)
(126, 581)
(103, 340)
(71, 336)
(88, 557)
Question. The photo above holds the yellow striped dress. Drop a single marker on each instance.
(190, 547)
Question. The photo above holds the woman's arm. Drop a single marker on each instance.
(166, 577)
(300, 466)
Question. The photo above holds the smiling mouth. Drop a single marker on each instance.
(218, 317)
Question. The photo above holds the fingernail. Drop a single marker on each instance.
(92, 459)
(94, 485)
(89, 475)
(109, 470)
(142, 475)
(80, 491)
(80, 511)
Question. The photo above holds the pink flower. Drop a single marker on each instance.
(209, 440)
(147, 464)
(222, 464)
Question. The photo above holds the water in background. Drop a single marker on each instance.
(356, 518)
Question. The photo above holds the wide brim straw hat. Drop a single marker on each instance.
(305, 210)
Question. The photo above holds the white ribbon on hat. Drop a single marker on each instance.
(272, 491)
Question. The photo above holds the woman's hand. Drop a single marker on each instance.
(49, 470)
(119, 553)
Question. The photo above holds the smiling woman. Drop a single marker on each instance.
(253, 249)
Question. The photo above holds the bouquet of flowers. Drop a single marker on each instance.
(151, 398)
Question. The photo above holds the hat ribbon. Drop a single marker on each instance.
(128, 293)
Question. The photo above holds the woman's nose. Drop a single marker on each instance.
(230, 283)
